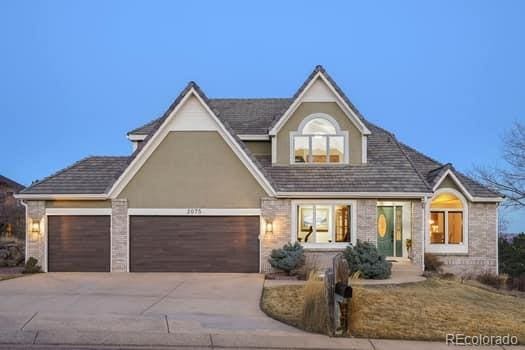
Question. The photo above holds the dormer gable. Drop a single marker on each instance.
(319, 101)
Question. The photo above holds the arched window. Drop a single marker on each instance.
(319, 140)
(448, 219)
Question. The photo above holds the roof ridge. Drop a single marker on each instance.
(248, 98)
(56, 173)
(398, 143)
(422, 154)
(410, 162)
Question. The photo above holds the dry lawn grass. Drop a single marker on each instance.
(421, 311)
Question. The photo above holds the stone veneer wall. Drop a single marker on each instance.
(482, 240)
(279, 211)
(416, 253)
(36, 246)
(366, 220)
(119, 235)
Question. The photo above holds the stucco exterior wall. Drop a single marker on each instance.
(193, 170)
(482, 243)
(304, 110)
(259, 147)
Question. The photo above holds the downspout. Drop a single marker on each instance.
(25, 229)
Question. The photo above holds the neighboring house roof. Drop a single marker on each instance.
(91, 175)
(11, 183)
(391, 167)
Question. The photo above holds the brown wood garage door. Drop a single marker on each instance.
(194, 244)
(78, 243)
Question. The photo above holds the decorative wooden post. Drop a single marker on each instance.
(329, 283)
(338, 293)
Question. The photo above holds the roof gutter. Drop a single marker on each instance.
(353, 194)
(65, 197)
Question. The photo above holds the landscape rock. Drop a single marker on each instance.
(11, 253)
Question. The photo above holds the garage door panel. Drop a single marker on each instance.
(78, 243)
(194, 244)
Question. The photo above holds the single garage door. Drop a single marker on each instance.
(194, 244)
(78, 243)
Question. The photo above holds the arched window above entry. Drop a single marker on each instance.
(319, 140)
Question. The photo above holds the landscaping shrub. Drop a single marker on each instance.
(490, 279)
(512, 256)
(287, 258)
(32, 266)
(365, 259)
(315, 316)
(433, 263)
(517, 283)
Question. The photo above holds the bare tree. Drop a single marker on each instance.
(508, 180)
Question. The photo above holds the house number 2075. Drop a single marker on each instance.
(194, 211)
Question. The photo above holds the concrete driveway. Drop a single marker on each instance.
(153, 303)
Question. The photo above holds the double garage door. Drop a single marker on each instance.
(157, 243)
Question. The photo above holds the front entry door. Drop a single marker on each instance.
(385, 230)
(390, 230)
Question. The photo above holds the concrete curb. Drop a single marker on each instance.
(103, 339)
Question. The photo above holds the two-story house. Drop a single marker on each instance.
(215, 184)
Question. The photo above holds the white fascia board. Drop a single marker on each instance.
(194, 211)
(352, 194)
(78, 211)
(161, 133)
(136, 137)
(61, 196)
(340, 101)
(248, 137)
(464, 190)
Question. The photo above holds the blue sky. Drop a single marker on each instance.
(445, 76)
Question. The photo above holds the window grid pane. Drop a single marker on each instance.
(437, 227)
(455, 227)
(319, 149)
(301, 149)
(336, 149)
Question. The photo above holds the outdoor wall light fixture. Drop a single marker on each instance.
(35, 229)
(269, 227)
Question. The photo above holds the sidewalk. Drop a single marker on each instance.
(100, 340)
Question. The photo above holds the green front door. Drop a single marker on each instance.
(385, 230)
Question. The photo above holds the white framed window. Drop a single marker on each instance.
(448, 222)
(324, 223)
(319, 140)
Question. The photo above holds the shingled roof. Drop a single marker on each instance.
(249, 116)
(391, 167)
(91, 175)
